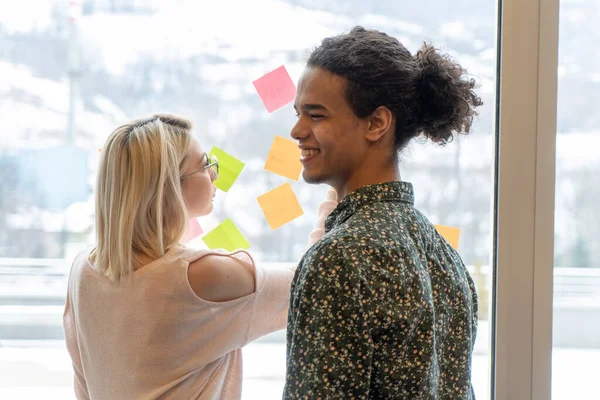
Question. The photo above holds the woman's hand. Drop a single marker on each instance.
(325, 208)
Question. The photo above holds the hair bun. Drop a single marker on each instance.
(446, 96)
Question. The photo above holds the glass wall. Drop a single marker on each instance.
(576, 330)
(70, 75)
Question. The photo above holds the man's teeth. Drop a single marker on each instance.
(309, 152)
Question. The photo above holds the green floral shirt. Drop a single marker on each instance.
(382, 307)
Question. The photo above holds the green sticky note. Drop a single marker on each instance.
(229, 169)
(226, 236)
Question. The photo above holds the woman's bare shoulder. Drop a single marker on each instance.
(219, 278)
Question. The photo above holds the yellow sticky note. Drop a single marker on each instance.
(280, 206)
(451, 234)
(226, 236)
(284, 158)
(229, 168)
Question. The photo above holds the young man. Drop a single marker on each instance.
(382, 307)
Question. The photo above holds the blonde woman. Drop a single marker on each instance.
(146, 317)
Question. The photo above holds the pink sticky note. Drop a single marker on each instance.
(275, 89)
(193, 231)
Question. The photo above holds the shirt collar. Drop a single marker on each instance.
(388, 191)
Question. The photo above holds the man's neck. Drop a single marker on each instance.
(367, 176)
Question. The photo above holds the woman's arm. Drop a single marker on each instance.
(222, 278)
(264, 293)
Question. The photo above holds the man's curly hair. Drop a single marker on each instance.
(429, 94)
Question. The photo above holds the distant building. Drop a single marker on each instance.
(53, 178)
(120, 6)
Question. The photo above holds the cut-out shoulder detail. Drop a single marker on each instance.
(220, 278)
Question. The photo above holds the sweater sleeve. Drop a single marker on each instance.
(240, 321)
(271, 301)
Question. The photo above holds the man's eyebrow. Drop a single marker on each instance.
(311, 107)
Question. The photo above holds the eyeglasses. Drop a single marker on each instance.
(211, 162)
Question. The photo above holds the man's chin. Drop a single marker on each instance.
(312, 178)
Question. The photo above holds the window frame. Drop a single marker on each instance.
(524, 199)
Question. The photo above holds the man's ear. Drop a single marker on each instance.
(380, 122)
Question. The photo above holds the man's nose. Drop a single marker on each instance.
(299, 131)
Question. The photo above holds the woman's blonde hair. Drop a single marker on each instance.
(140, 210)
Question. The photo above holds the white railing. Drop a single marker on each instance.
(569, 283)
(32, 294)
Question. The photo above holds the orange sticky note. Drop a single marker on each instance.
(284, 158)
(451, 234)
(280, 206)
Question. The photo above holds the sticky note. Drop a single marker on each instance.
(229, 169)
(193, 231)
(451, 234)
(275, 89)
(226, 236)
(280, 206)
(284, 158)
